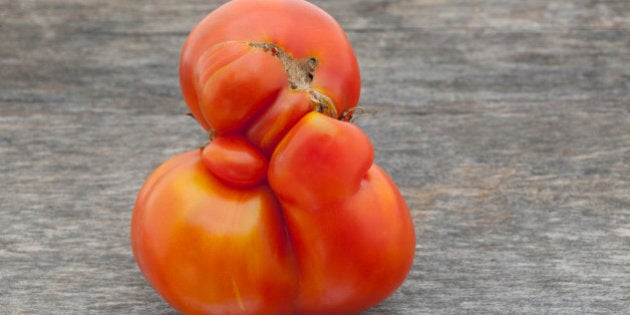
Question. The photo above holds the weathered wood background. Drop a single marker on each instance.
(505, 123)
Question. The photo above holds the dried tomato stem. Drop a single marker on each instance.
(300, 73)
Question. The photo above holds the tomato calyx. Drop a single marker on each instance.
(323, 104)
(301, 73)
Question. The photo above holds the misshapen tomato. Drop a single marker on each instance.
(284, 212)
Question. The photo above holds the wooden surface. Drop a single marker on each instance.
(505, 123)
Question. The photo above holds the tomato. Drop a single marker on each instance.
(284, 210)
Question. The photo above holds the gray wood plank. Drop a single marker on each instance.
(505, 123)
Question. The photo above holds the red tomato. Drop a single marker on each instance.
(284, 211)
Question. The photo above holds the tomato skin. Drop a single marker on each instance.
(235, 161)
(234, 92)
(323, 160)
(267, 131)
(352, 255)
(209, 248)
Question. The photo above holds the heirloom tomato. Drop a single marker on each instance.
(284, 210)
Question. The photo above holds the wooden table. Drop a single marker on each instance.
(505, 123)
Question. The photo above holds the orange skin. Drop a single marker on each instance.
(284, 211)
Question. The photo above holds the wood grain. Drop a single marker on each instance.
(505, 123)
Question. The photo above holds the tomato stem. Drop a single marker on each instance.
(300, 72)
(323, 104)
(354, 113)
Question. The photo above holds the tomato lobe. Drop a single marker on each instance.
(322, 159)
(235, 161)
(231, 95)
